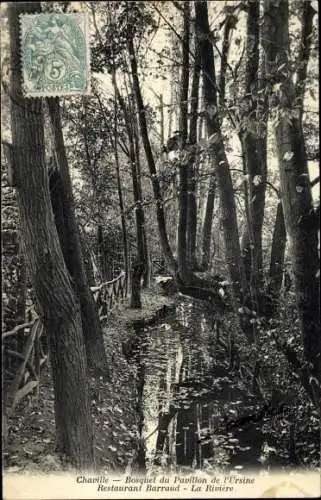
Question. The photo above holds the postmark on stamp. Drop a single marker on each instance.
(55, 54)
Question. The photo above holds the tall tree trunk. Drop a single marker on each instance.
(183, 166)
(150, 161)
(101, 253)
(208, 223)
(142, 261)
(101, 245)
(60, 311)
(209, 209)
(201, 121)
(140, 214)
(276, 262)
(230, 24)
(222, 171)
(276, 270)
(299, 214)
(192, 207)
(139, 265)
(253, 141)
(171, 110)
(68, 233)
(119, 187)
(136, 276)
(122, 219)
(308, 13)
(88, 263)
(162, 122)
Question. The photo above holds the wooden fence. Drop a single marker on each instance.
(109, 294)
(27, 364)
(22, 369)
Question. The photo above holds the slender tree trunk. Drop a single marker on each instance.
(183, 164)
(308, 13)
(171, 111)
(276, 262)
(253, 141)
(162, 125)
(150, 160)
(200, 131)
(139, 266)
(141, 224)
(119, 188)
(142, 261)
(207, 224)
(203, 190)
(60, 311)
(101, 253)
(68, 233)
(137, 272)
(230, 23)
(299, 215)
(192, 206)
(209, 209)
(122, 218)
(88, 263)
(222, 171)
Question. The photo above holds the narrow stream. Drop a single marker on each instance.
(193, 411)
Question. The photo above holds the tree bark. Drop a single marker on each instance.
(68, 233)
(60, 311)
(209, 210)
(276, 262)
(137, 272)
(150, 160)
(119, 186)
(183, 166)
(88, 263)
(229, 25)
(299, 215)
(208, 223)
(101, 254)
(140, 214)
(222, 171)
(134, 158)
(139, 266)
(192, 171)
(253, 141)
(308, 13)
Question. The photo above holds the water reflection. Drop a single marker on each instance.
(189, 402)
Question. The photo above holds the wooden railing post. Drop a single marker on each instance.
(109, 294)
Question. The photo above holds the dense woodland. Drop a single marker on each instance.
(190, 171)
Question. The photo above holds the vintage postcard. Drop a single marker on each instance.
(160, 260)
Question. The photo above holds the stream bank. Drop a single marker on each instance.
(174, 402)
(31, 429)
(197, 411)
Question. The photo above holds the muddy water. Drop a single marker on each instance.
(193, 410)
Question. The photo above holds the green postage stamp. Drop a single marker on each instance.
(55, 54)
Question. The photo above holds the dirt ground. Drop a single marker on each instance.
(31, 430)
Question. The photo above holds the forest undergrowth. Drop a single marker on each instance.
(290, 421)
(31, 437)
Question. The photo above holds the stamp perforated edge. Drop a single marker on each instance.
(62, 93)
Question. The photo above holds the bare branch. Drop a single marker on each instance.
(232, 118)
